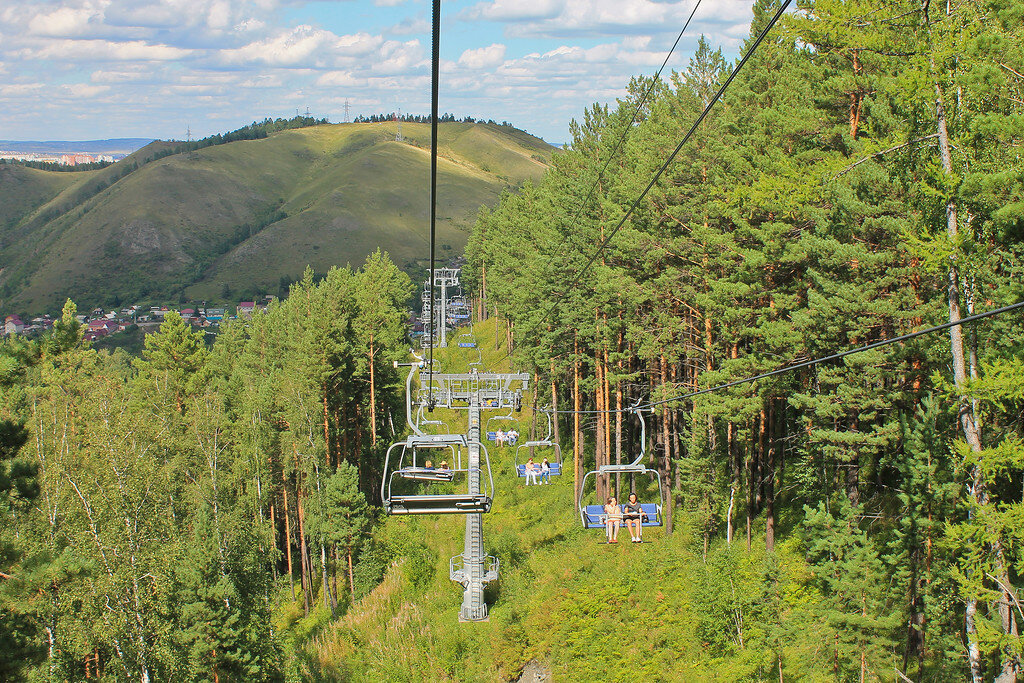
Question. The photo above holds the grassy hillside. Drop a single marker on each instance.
(566, 604)
(237, 218)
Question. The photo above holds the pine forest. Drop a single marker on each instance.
(213, 512)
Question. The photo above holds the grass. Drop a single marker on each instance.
(195, 226)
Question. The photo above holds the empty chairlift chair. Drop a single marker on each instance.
(593, 516)
(407, 483)
(544, 444)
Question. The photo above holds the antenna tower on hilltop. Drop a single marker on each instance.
(192, 156)
(398, 120)
(346, 110)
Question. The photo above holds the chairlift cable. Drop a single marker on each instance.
(434, 83)
(841, 354)
(636, 112)
(661, 170)
(805, 364)
(686, 138)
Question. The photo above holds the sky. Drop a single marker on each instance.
(98, 69)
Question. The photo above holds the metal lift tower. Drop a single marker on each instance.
(444, 278)
(474, 392)
(435, 318)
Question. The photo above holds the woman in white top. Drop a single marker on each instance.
(531, 472)
(612, 519)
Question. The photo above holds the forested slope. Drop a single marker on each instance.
(861, 179)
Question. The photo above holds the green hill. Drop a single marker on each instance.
(567, 605)
(237, 218)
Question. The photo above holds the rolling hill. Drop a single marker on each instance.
(240, 218)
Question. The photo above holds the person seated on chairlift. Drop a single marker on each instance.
(511, 437)
(634, 515)
(428, 465)
(499, 438)
(545, 471)
(612, 519)
(443, 465)
(531, 472)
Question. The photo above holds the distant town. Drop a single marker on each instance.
(100, 323)
(61, 159)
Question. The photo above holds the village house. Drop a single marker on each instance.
(246, 308)
(13, 325)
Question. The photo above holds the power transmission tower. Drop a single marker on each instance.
(192, 156)
(398, 120)
(346, 111)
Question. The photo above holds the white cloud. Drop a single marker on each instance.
(84, 91)
(553, 18)
(515, 10)
(340, 79)
(64, 21)
(285, 49)
(484, 57)
(19, 89)
(103, 50)
(221, 63)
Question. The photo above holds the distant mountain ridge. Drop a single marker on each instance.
(174, 223)
(111, 146)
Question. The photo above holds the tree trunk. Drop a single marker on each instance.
(769, 486)
(966, 416)
(554, 406)
(351, 576)
(576, 418)
(603, 483)
(373, 396)
(288, 534)
(307, 584)
(327, 427)
(666, 462)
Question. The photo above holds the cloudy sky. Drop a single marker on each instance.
(94, 69)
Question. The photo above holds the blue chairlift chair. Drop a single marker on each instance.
(593, 516)
(546, 442)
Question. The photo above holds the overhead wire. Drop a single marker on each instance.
(668, 162)
(625, 131)
(650, 406)
(661, 170)
(434, 88)
(636, 112)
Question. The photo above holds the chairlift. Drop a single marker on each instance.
(492, 435)
(546, 442)
(593, 516)
(421, 420)
(467, 341)
(402, 464)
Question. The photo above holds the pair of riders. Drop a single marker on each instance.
(631, 512)
(532, 469)
(508, 438)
